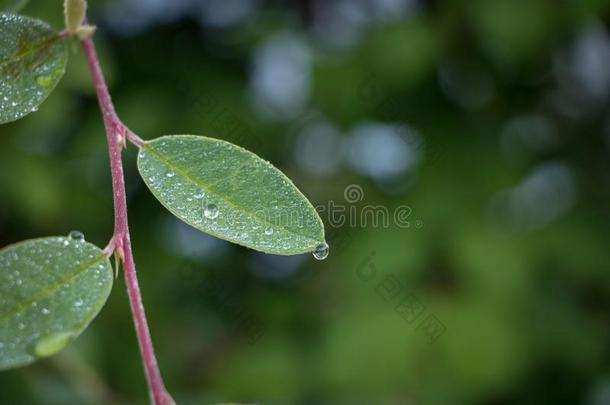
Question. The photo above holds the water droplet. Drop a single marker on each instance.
(21, 326)
(78, 303)
(51, 344)
(321, 251)
(199, 196)
(170, 174)
(210, 211)
(141, 154)
(66, 242)
(77, 235)
(269, 231)
(45, 311)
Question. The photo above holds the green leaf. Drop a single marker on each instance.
(32, 61)
(74, 13)
(50, 290)
(230, 193)
(12, 5)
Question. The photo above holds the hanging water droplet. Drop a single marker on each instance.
(321, 251)
(210, 211)
(51, 344)
(170, 174)
(77, 235)
(269, 231)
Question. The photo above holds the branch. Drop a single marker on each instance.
(116, 133)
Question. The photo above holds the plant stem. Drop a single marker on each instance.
(116, 133)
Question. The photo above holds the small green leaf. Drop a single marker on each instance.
(32, 61)
(230, 193)
(12, 5)
(50, 290)
(74, 14)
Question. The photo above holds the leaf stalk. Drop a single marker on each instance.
(116, 133)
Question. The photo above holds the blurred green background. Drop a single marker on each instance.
(488, 119)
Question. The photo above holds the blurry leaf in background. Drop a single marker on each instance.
(51, 290)
(32, 61)
(513, 30)
(230, 193)
(35, 194)
(12, 5)
(406, 64)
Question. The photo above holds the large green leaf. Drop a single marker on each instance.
(50, 290)
(231, 193)
(12, 5)
(32, 61)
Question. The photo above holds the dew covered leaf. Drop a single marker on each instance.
(32, 61)
(12, 5)
(50, 290)
(230, 193)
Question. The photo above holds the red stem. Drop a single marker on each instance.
(116, 132)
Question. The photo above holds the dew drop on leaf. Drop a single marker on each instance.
(210, 211)
(321, 251)
(77, 235)
(269, 231)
